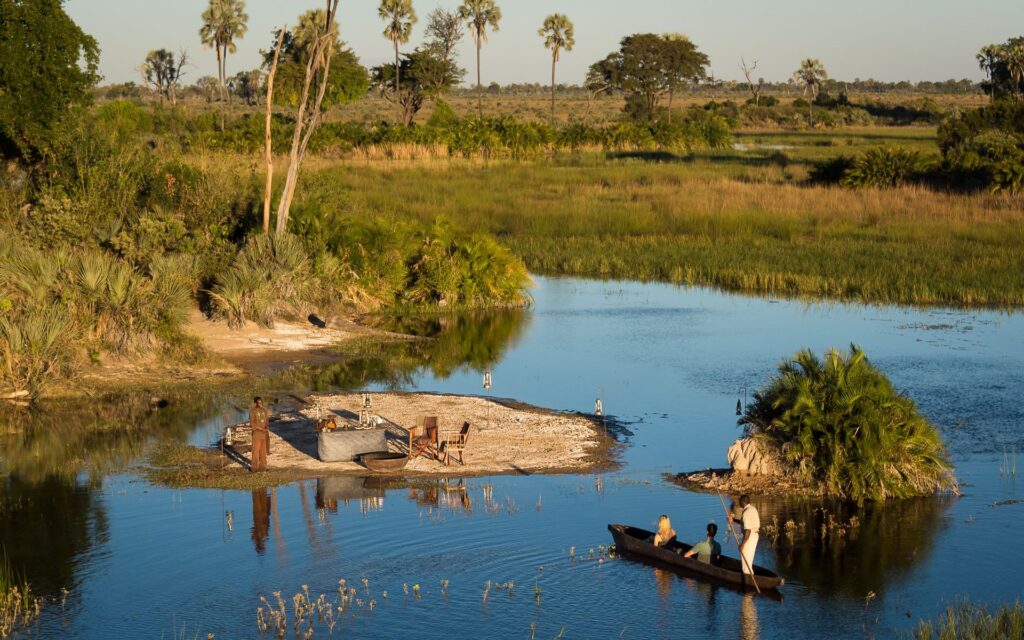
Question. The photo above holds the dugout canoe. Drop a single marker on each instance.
(633, 541)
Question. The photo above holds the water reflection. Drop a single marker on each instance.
(260, 519)
(848, 551)
(48, 527)
(445, 345)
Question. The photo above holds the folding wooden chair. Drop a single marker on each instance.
(455, 441)
(425, 442)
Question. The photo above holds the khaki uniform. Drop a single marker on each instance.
(259, 421)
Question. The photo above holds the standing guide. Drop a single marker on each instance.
(750, 522)
(259, 422)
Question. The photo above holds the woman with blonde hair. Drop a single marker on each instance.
(665, 534)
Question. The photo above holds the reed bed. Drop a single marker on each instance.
(971, 621)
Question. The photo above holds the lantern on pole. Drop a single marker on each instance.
(487, 380)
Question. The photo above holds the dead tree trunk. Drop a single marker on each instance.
(308, 115)
(269, 137)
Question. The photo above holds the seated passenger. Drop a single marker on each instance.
(708, 550)
(665, 534)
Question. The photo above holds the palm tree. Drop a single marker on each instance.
(988, 59)
(1013, 58)
(811, 74)
(558, 34)
(224, 21)
(399, 17)
(479, 15)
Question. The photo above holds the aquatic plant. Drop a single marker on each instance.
(972, 620)
(842, 425)
(19, 606)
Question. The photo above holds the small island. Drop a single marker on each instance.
(504, 437)
(834, 428)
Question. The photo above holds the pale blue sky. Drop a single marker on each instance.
(883, 39)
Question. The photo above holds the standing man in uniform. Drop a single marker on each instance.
(259, 422)
(750, 522)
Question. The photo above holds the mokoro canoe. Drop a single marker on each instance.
(633, 541)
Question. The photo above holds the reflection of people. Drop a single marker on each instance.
(750, 522)
(707, 550)
(260, 519)
(259, 422)
(663, 579)
(748, 618)
(665, 534)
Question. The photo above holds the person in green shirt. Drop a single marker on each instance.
(708, 550)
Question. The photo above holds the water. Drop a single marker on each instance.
(670, 363)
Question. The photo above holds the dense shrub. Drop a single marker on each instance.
(843, 426)
(985, 147)
(882, 167)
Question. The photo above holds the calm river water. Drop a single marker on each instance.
(670, 363)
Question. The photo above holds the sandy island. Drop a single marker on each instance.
(505, 437)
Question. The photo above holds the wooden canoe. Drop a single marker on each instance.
(633, 541)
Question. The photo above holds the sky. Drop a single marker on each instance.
(887, 40)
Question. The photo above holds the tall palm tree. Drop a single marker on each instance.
(559, 34)
(988, 59)
(224, 21)
(811, 74)
(479, 15)
(1013, 58)
(399, 17)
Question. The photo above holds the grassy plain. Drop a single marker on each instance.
(742, 220)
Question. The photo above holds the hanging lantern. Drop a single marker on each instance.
(487, 380)
(598, 407)
(366, 401)
(229, 437)
(739, 407)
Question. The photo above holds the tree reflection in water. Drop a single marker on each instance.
(883, 542)
(444, 344)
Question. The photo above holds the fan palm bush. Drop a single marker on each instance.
(883, 167)
(36, 348)
(270, 278)
(842, 425)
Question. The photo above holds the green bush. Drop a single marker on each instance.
(883, 167)
(843, 426)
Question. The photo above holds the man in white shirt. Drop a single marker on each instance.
(750, 522)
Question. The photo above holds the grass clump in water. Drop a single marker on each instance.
(19, 606)
(842, 425)
(972, 621)
(181, 466)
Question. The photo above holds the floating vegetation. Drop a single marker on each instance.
(829, 528)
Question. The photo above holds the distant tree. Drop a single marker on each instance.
(480, 15)
(163, 72)
(399, 17)
(1004, 65)
(247, 85)
(47, 64)
(646, 67)
(680, 64)
(208, 86)
(988, 59)
(748, 72)
(444, 33)
(347, 81)
(559, 34)
(810, 75)
(224, 21)
(1013, 58)
(425, 75)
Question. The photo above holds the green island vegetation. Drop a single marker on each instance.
(840, 424)
(972, 621)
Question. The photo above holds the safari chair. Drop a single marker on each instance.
(455, 441)
(424, 443)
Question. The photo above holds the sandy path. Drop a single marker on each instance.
(503, 438)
